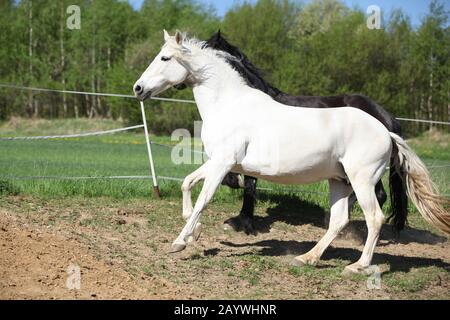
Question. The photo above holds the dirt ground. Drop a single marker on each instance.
(35, 264)
(121, 250)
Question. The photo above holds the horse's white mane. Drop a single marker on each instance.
(194, 43)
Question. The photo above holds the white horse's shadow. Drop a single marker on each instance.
(292, 210)
(277, 248)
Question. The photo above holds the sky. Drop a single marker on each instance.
(416, 9)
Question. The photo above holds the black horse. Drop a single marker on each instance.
(244, 221)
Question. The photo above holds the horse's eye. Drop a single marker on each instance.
(165, 58)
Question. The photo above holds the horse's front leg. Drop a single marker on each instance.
(188, 183)
(214, 172)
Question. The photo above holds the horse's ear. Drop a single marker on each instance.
(166, 35)
(218, 33)
(179, 37)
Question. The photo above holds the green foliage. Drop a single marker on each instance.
(269, 47)
(413, 281)
(7, 188)
(321, 48)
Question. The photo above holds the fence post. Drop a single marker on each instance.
(150, 155)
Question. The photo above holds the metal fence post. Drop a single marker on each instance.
(150, 155)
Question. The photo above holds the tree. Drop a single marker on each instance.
(320, 48)
(268, 46)
(430, 51)
(319, 16)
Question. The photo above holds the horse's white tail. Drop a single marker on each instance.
(420, 188)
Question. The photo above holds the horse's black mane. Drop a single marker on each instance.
(251, 74)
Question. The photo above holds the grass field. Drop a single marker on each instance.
(111, 155)
(123, 226)
(125, 155)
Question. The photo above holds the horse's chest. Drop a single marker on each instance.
(223, 141)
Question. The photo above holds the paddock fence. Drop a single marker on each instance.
(174, 176)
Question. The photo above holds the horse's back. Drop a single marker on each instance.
(299, 145)
(303, 145)
(334, 124)
(352, 100)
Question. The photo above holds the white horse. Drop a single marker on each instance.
(245, 131)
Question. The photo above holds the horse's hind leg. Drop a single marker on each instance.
(365, 192)
(244, 221)
(380, 192)
(339, 193)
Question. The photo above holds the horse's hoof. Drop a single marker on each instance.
(248, 227)
(177, 247)
(197, 231)
(354, 269)
(186, 215)
(240, 223)
(196, 234)
(232, 223)
(296, 262)
(301, 261)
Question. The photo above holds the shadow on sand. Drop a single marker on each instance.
(280, 247)
(291, 210)
(294, 211)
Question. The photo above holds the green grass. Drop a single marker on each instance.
(124, 155)
(255, 266)
(413, 281)
(26, 127)
(121, 154)
(331, 274)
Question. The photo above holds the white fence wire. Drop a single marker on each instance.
(101, 94)
(11, 86)
(76, 135)
(424, 121)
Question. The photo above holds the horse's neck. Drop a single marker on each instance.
(217, 83)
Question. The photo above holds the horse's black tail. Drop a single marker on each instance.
(397, 185)
(398, 195)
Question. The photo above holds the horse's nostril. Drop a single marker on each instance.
(138, 89)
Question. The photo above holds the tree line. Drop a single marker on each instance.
(319, 48)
